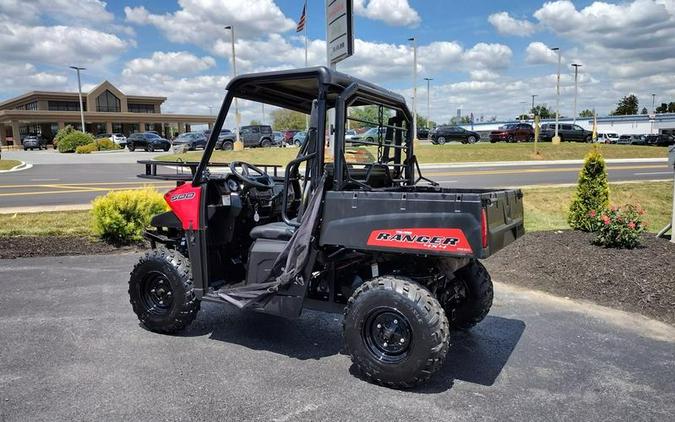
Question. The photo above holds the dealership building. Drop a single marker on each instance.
(106, 110)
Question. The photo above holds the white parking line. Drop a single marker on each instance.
(653, 173)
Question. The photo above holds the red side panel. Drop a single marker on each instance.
(448, 240)
(185, 201)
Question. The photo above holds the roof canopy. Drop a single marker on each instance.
(296, 89)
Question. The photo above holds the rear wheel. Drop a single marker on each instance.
(470, 298)
(150, 148)
(227, 146)
(266, 143)
(511, 139)
(589, 139)
(161, 293)
(131, 147)
(395, 332)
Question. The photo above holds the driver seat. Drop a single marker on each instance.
(273, 231)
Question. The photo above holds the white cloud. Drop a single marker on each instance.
(25, 77)
(170, 63)
(201, 22)
(539, 53)
(392, 12)
(488, 56)
(63, 11)
(507, 25)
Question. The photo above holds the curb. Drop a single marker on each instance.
(537, 163)
(18, 167)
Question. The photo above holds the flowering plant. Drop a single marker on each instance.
(619, 227)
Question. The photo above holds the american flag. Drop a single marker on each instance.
(301, 23)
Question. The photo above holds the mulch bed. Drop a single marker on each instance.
(565, 263)
(27, 246)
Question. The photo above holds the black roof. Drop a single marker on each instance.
(296, 88)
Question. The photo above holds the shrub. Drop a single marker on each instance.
(620, 227)
(592, 193)
(67, 130)
(86, 149)
(74, 139)
(105, 144)
(120, 216)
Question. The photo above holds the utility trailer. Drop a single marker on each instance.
(361, 233)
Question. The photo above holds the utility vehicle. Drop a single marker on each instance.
(351, 228)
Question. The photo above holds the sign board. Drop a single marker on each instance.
(339, 30)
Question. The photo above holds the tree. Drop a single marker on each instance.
(423, 122)
(369, 113)
(542, 111)
(586, 113)
(627, 105)
(592, 195)
(255, 122)
(287, 119)
(644, 110)
(663, 108)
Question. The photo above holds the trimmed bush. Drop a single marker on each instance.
(592, 195)
(67, 130)
(86, 149)
(105, 144)
(74, 139)
(620, 227)
(121, 216)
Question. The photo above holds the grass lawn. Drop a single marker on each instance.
(46, 224)
(546, 208)
(449, 153)
(8, 164)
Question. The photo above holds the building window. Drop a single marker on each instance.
(65, 105)
(108, 102)
(141, 108)
(28, 106)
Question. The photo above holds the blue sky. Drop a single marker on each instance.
(486, 57)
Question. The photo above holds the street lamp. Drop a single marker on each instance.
(576, 67)
(414, 126)
(533, 95)
(556, 138)
(522, 114)
(79, 91)
(654, 103)
(237, 144)
(428, 107)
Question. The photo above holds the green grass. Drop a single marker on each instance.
(450, 153)
(46, 224)
(546, 208)
(8, 164)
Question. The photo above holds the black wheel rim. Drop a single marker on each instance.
(156, 293)
(387, 335)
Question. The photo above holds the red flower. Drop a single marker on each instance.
(631, 225)
(592, 213)
(606, 222)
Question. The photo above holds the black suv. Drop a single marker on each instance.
(567, 132)
(257, 136)
(148, 141)
(660, 140)
(443, 134)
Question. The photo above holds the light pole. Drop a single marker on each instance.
(523, 110)
(556, 138)
(79, 91)
(428, 107)
(576, 67)
(651, 128)
(533, 95)
(654, 103)
(237, 144)
(414, 125)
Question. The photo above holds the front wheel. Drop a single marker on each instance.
(266, 143)
(471, 139)
(166, 148)
(150, 148)
(161, 293)
(440, 140)
(227, 146)
(395, 332)
(471, 293)
(131, 147)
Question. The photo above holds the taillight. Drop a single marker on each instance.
(484, 228)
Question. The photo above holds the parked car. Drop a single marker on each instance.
(446, 133)
(117, 138)
(566, 131)
(513, 132)
(221, 136)
(288, 135)
(192, 140)
(256, 136)
(631, 140)
(226, 140)
(299, 138)
(422, 133)
(31, 142)
(660, 140)
(351, 135)
(148, 141)
(607, 138)
(373, 134)
(278, 138)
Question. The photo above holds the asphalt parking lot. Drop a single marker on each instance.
(73, 350)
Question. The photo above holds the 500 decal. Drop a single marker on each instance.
(182, 196)
(450, 240)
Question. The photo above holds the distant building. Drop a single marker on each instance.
(106, 110)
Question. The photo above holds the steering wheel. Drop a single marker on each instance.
(244, 175)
